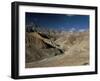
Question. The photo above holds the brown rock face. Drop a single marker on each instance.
(69, 49)
(38, 47)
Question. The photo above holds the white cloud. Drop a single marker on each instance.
(72, 30)
(82, 30)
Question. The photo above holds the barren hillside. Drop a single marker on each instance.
(67, 49)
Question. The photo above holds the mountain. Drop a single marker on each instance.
(40, 46)
(57, 49)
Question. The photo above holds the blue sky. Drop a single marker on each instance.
(59, 21)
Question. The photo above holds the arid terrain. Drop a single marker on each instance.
(53, 48)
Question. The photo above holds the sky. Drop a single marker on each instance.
(58, 21)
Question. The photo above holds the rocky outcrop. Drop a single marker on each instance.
(39, 46)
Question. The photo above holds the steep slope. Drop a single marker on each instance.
(39, 47)
(76, 51)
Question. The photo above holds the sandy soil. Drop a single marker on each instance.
(76, 52)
